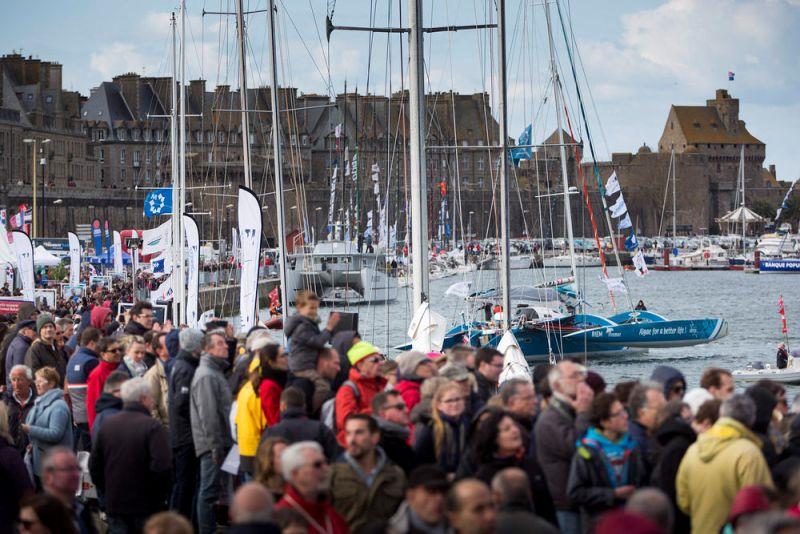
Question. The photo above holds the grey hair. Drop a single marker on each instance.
(129, 340)
(638, 397)
(48, 460)
(553, 376)
(654, 504)
(64, 321)
(245, 509)
(739, 407)
(134, 389)
(28, 370)
(511, 388)
(293, 457)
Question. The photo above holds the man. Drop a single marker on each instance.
(110, 401)
(422, 511)
(190, 341)
(110, 357)
(26, 312)
(364, 382)
(490, 364)
(470, 509)
(157, 377)
(61, 478)
(43, 351)
(556, 431)
(391, 414)
(653, 504)
(511, 492)
(673, 381)
(413, 368)
(251, 510)
(19, 400)
(295, 425)
(19, 345)
(328, 367)
(365, 485)
(723, 460)
(644, 403)
(519, 399)
(718, 382)
(64, 329)
(210, 406)
(131, 461)
(142, 318)
(462, 354)
(306, 473)
(79, 367)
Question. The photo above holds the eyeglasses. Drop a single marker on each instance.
(399, 406)
(454, 400)
(617, 414)
(678, 388)
(375, 359)
(146, 316)
(319, 464)
(114, 351)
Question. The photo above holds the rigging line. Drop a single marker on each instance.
(325, 57)
(666, 190)
(326, 81)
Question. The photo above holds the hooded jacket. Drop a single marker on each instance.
(98, 317)
(106, 406)
(180, 383)
(269, 393)
(409, 388)
(79, 367)
(296, 426)
(667, 376)
(210, 406)
(724, 459)
(15, 355)
(250, 420)
(50, 425)
(94, 387)
(41, 354)
(674, 437)
(765, 404)
(347, 403)
(305, 342)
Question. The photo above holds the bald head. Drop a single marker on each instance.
(470, 509)
(511, 486)
(654, 504)
(252, 503)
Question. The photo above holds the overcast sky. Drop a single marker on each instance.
(636, 57)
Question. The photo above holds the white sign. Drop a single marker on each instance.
(250, 227)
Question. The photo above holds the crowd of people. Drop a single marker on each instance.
(122, 425)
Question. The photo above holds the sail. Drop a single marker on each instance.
(23, 247)
(75, 258)
(427, 330)
(6, 254)
(166, 291)
(514, 363)
(118, 268)
(250, 228)
(193, 269)
(332, 202)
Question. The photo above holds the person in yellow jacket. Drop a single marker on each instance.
(724, 459)
(250, 423)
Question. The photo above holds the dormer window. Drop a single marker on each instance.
(696, 124)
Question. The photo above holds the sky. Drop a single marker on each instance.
(634, 58)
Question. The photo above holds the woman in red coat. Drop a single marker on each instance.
(273, 369)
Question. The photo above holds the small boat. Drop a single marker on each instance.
(760, 371)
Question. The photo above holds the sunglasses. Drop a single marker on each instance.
(678, 388)
(399, 406)
(114, 351)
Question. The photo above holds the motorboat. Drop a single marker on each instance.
(756, 371)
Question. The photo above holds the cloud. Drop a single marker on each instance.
(118, 58)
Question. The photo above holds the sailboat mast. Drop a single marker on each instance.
(248, 177)
(181, 290)
(277, 156)
(744, 215)
(505, 253)
(419, 184)
(674, 200)
(173, 158)
(562, 148)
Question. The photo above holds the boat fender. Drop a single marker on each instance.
(706, 254)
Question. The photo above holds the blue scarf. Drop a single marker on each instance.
(616, 455)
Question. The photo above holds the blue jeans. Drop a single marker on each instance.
(208, 494)
(569, 522)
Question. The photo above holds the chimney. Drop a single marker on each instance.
(196, 93)
(773, 172)
(55, 76)
(129, 87)
(727, 108)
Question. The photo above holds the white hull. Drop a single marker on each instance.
(784, 376)
(581, 260)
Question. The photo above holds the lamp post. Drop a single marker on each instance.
(316, 217)
(33, 183)
(469, 226)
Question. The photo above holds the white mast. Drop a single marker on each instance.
(744, 222)
(674, 200)
(248, 177)
(505, 253)
(174, 164)
(419, 182)
(181, 289)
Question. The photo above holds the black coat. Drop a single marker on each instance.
(16, 417)
(135, 329)
(395, 444)
(305, 342)
(673, 437)
(453, 445)
(294, 426)
(180, 383)
(16, 484)
(131, 462)
(486, 389)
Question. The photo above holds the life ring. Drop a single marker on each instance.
(706, 254)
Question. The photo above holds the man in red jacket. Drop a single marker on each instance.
(363, 383)
(110, 358)
(414, 368)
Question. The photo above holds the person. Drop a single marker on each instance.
(489, 363)
(470, 508)
(19, 345)
(607, 466)
(16, 481)
(443, 440)
(422, 510)
(210, 404)
(716, 466)
(252, 510)
(414, 367)
(42, 514)
(25, 313)
(49, 422)
(557, 430)
(43, 351)
(19, 402)
(342, 341)
(718, 382)
(765, 403)
(110, 401)
(644, 403)
(391, 413)
(142, 318)
(110, 358)
(274, 372)
(365, 485)
(295, 425)
(364, 382)
(653, 504)
(640, 306)
(185, 460)
(268, 465)
(167, 523)
(673, 381)
(100, 317)
(519, 399)
(250, 422)
(306, 473)
(131, 460)
(79, 367)
(134, 348)
(64, 329)
(61, 478)
(157, 377)
(329, 367)
(782, 359)
(511, 491)
(706, 416)
(306, 340)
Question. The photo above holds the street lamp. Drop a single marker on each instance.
(57, 201)
(33, 165)
(316, 217)
(469, 226)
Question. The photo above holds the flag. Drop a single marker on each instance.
(785, 203)
(631, 243)
(3, 219)
(618, 209)
(164, 292)
(614, 285)
(782, 312)
(97, 237)
(640, 264)
(612, 185)
(731, 75)
(524, 152)
(626, 222)
(158, 202)
(157, 239)
(107, 232)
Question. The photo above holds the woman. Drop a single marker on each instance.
(16, 481)
(498, 444)
(273, 373)
(49, 422)
(606, 468)
(44, 514)
(135, 350)
(250, 423)
(443, 439)
(268, 465)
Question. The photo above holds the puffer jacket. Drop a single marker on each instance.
(41, 354)
(296, 426)
(79, 367)
(17, 350)
(50, 425)
(409, 388)
(180, 382)
(305, 342)
(157, 377)
(210, 406)
(724, 459)
(360, 504)
(674, 437)
(347, 402)
(94, 387)
(250, 420)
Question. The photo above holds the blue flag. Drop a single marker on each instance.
(158, 202)
(631, 242)
(518, 154)
(97, 237)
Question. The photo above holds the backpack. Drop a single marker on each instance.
(327, 413)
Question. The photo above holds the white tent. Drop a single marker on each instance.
(732, 221)
(43, 258)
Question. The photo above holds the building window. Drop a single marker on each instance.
(121, 134)
(158, 157)
(464, 142)
(122, 156)
(122, 173)
(135, 134)
(210, 137)
(49, 99)
(465, 180)
(198, 135)
(147, 157)
(221, 138)
(480, 142)
(232, 137)
(101, 134)
(671, 125)
(294, 139)
(147, 136)
(101, 155)
(158, 136)
(147, 175)
(480, 163)
(252, 138)
(465, 162)
(136, 156)
(479, 181)
(304, 140)
(210, 157)
(444, 163)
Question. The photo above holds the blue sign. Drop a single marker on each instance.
(158, 202)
